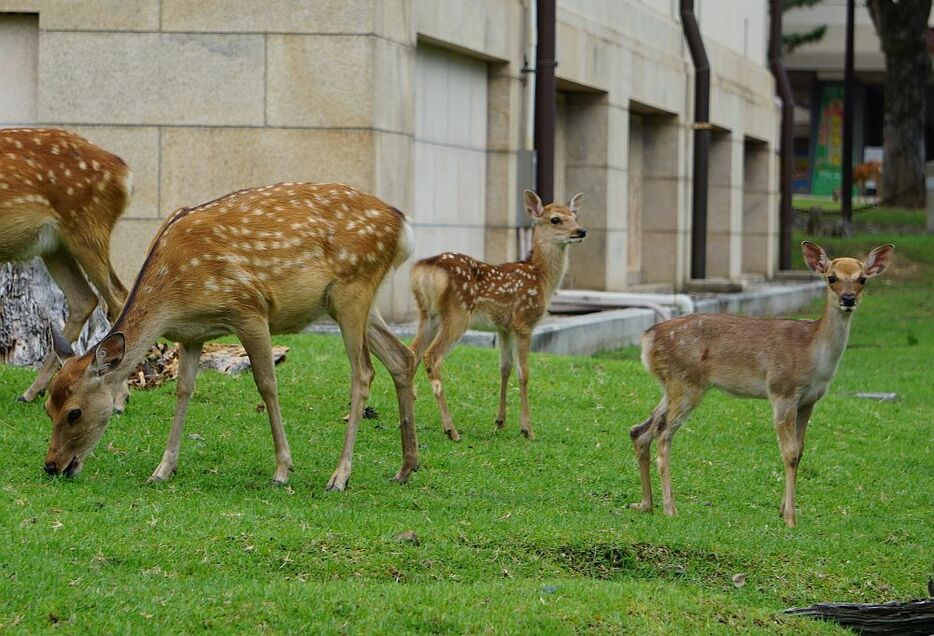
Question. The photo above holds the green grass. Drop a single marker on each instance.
(863, 214)
(514, 537)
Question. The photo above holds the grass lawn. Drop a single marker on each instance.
(863, 213)
(513, 536)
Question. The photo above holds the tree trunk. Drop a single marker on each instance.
(29, 301)
(902, 29)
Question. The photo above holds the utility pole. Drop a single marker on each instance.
(847, 159)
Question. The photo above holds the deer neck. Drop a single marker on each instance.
(141, 327)
(831, 333)
(551, 260)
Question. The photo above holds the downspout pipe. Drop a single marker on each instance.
(545, 101)
(783, 87)
(701, 139)
(848, 104)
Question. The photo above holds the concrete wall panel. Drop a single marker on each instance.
(200, 164)
(151, 79)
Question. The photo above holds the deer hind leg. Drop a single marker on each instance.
(682, 398)
(400, 362)
(523, 344)
(790, 425)
(350, 308)
(506, 352)
(188, 357)
(452, 327)
(254, 336)
(427, 330)
(81, 303)
(97, 268)
(642, 436)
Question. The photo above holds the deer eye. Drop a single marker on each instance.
(862, 280)
(831, 279)
(73, 415)
(555, 220)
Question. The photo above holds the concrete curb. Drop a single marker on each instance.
(607, 330)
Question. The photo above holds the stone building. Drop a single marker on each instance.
(425, 103)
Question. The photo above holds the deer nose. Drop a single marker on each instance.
(51, 468)
(581, 232)
(849, 299)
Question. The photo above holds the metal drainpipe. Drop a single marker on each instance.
(545, 101)
(701, 139)
(783, 86)
(848, 104)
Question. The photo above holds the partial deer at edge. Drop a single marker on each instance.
(452, 290)
(253, 263)
(60, 196)
(790, 362)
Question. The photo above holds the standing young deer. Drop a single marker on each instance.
(451, 290)
(60, 196)
(790, 362)
(252, 263)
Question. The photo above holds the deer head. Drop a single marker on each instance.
(846, 277)
(80, 404)
(555, 223)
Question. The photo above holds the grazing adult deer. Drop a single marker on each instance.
(790, 362)
(60, 196)
(252, 263)
(452, 290)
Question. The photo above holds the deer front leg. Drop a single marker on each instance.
(506, 353)
(255, 339)
(786, 416)
(188, 358)
(523, 344)
(400, 362)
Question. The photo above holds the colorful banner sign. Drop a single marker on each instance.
(828, 147)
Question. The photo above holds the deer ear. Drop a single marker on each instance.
(60, 346)
(533, 205)
(815, 257)
(878, 260)
(574, 203)
(108, 354)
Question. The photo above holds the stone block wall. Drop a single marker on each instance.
(202, 98)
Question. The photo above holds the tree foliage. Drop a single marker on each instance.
(791, 41)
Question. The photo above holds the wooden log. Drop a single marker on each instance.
(908, 618)
(29, 302)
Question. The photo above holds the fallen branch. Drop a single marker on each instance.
(161, 363)
(908, 618)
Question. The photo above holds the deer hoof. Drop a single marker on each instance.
(500, 423)
(641, 506)
(528, 434)
(453, 435)
(337, 483)
(20, 398)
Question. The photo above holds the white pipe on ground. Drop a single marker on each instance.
(604, 299)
